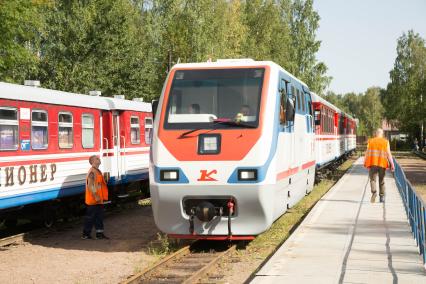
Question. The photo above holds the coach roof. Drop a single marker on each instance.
(48, 96)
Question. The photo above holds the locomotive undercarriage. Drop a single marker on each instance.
(205, 209)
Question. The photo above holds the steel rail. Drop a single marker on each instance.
(153, 273)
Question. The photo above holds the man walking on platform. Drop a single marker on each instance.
(377, 159)
(96, 195)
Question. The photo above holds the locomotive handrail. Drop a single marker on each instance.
(107, 144)
(414, 207)
(124, 151)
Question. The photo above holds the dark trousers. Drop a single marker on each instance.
(373, 173)
(94, 216)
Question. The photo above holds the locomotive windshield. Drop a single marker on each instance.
(214, 98)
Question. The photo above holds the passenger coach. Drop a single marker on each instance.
(335, 133)
(47, 136)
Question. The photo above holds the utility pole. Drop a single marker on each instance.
(422, 127)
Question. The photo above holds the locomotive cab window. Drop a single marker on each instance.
(65, 130)
(39, 129)
(88, 131)
(215, 98)
(148, 130)
(8, 128)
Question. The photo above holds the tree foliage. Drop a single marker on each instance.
(404, 97)
(128, 46)
(20, 26)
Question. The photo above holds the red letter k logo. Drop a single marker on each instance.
(206, 176)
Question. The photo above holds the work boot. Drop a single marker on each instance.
(86, 237)
(373, 197)
(382, 198)
(100, 236)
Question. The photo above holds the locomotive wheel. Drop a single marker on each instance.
(48, 223)
(11, 223)
(49, 218)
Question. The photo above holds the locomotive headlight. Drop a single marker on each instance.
(247, 174)
(209, 144)
(169, 175)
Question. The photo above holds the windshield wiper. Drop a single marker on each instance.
(183, 135)
(225, 121)
(231, 122)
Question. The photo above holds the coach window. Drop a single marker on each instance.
(302, 94)
(135, 133)
(8, 128)
(148, 130)
(39, 129)
(65, 130)
(88, 131)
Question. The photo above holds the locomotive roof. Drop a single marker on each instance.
(247, 62)
(42, 95)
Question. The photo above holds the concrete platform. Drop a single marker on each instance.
(347, 239)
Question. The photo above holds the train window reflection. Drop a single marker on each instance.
(39, 129)
(148, 130)
(8, 129)
(88, 131)
(135, 133)
(199, 97)
(65, 130)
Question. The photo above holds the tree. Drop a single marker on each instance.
(304, 21)
(93, 45)
(20, 25)
(404, 96)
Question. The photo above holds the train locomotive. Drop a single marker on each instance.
(233, 148)
(46, 138)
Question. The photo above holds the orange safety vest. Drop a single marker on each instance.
(100, 185)
(376, 154)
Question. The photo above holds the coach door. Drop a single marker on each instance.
(116, 161)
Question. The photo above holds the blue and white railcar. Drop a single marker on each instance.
(233, 149)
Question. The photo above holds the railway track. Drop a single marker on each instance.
(420, 154)
(18, 235)
(188, 265)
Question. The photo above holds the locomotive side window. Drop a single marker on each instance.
(283, 101)
(39, 129)
(298, 99)
(135, 133)
(88, 131)
(65, 130)
(8, 129)
(148, 130)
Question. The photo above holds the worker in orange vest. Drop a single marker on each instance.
(96, 195)
(377, 159)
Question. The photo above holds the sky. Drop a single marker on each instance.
(359, 38)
